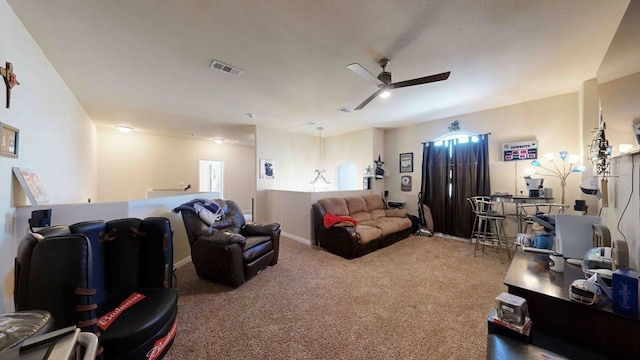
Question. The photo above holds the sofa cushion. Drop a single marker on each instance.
(335, 206)
(358, 208)
(396, 213)
(367, 233)
(375, 206)
(389, 225)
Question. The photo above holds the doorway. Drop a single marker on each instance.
(210, 176)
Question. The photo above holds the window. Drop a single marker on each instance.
(461, 137)
(347, 176)
(211, 176)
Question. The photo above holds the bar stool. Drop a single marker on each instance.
(489, 229)
(476, 229)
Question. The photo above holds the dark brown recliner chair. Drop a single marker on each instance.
(230, 251)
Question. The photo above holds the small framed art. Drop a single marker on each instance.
(406, 162)
(266, 169)
(9, 140)
(30, 183)
(405, 183)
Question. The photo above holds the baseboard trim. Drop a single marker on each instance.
(297, 238)
(184, 261)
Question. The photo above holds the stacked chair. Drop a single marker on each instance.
(111, 278)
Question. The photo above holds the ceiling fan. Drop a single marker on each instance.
(383, 80)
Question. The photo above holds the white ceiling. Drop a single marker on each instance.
(146, 63)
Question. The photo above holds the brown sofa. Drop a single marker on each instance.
(376, 227)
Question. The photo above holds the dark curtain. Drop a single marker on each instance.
(465, 168)
(434, 182)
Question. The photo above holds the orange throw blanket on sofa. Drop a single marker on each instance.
(330, 220)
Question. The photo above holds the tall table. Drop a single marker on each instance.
(519, 200)
(554, 315)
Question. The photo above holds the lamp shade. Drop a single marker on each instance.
(563, 155)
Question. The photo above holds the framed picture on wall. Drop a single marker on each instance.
(9, 140)
(30, 183)
(405, 183)
(266, 169)
(366, 183)
(406, 162)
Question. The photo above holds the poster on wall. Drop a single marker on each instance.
(521, 150)
(31, 185)
(406, 162)
(266, 169)
(366, 183)
(405, 183)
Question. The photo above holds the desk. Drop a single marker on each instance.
(594, 327)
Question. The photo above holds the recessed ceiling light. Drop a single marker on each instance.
(218, 141)
(125, 129)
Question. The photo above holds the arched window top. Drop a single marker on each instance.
(460, 136)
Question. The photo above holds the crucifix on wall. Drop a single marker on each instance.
(10, 80)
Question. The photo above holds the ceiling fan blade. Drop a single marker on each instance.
(422, 80)
(373, 96)
(360, 70)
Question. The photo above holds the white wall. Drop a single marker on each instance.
(552, 121)
(619, 100)
(296, 157)
(57, 138)
(359, 147)
(132, 163)
(622, 216)
(621, 107)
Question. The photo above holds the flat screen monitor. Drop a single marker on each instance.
(574, 234)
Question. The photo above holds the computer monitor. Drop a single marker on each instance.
(574, 234)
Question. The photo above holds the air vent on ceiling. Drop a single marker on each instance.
(220, 66)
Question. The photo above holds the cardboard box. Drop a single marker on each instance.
(626, 285)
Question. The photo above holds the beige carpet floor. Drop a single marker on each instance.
(421, 298)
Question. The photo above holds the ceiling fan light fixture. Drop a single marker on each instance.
(384, 83)
(218, 141)
(385, 94)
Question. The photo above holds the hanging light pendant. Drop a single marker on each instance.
(320, 182)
